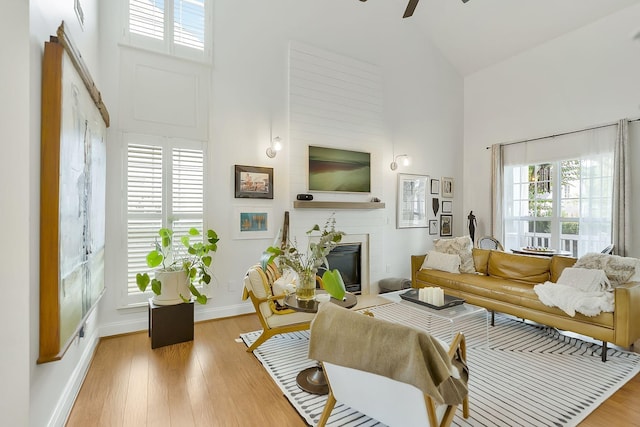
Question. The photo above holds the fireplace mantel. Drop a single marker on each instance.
(311, 204)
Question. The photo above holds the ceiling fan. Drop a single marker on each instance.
(412, 6)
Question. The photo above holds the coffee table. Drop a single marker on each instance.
(445, 323)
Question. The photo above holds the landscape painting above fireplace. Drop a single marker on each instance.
(336, 170)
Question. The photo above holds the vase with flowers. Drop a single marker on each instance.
(306, 262)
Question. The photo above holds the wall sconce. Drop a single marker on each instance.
(274, 147)
(405, 161)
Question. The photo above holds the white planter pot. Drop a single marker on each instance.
(174, 284)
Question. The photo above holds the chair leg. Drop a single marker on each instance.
(465, 407)
(261, 339)
(604, 351)
(326, 412)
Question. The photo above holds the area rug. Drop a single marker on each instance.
(520, 374)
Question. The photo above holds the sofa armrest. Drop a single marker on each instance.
(627, 313)
(416, 263)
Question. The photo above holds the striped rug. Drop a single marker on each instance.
(520, 374)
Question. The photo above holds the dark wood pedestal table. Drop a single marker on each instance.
(312, 380)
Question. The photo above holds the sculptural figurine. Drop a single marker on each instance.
(472, 225)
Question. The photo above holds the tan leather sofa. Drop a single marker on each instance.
(505, 284)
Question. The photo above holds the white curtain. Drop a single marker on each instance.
(621, 182)
(497, 182)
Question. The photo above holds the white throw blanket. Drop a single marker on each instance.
(578, 289)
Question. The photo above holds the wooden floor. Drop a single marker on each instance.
(213, 381)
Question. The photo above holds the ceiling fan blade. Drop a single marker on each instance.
(410, 8)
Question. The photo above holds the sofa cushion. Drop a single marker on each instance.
(481, 259)
(442, 261)
(618, 269)
(461, 246)
(522, 268)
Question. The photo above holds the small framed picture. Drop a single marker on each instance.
(433, 226)
(252, 222)
(447, 206)
(435, 186)
(254, 182)
(447, 187)
(446, 225)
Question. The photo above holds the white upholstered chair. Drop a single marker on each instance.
(390, 401)
(258, 286)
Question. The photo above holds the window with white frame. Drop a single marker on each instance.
(558, 193)
(165, 189)
(176, 27)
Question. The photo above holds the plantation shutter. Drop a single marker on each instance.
(144, 206)
(164, 189)
(188, 23)
(146, 18)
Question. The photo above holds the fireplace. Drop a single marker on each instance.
(347, 259)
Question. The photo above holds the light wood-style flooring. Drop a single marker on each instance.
(213, 381)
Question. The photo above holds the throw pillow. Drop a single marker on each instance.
(585, 279)
(618, 269)
(461, 246)
(443, 262)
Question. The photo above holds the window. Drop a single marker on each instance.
(165, 180)
(558, 193)
(176, 27)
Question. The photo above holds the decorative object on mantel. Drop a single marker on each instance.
(304, 197)
(306, 263)
(253, 182)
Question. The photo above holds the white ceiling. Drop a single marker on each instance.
(480, 33)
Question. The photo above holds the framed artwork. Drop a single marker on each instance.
(435, 186)
(447, 187)
(72, 196)
(412, 201)
(253, 182)
(446, 225)
(433, 226)
(252, 222)
(447, 206)
(336, 170)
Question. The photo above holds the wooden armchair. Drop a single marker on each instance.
(275, 320)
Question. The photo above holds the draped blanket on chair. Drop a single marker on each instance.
(395, 351)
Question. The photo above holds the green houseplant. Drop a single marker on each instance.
(306, 262)
(180, 270)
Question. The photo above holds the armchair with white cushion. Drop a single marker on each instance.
(259, 286)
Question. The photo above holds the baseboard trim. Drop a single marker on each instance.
(62, 410)
(141, 323)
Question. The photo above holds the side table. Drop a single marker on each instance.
(312, 380)
(170, 324)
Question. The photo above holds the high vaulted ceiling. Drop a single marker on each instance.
(480, 33)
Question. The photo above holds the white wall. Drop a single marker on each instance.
(584, 78)
(52, 386)
(423, 107)
(15, 275)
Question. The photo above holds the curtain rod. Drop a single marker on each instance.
(564, 133)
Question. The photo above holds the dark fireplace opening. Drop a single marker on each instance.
(346, 258)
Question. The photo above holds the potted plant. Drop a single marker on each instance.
(306, 262)
(175, 281)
